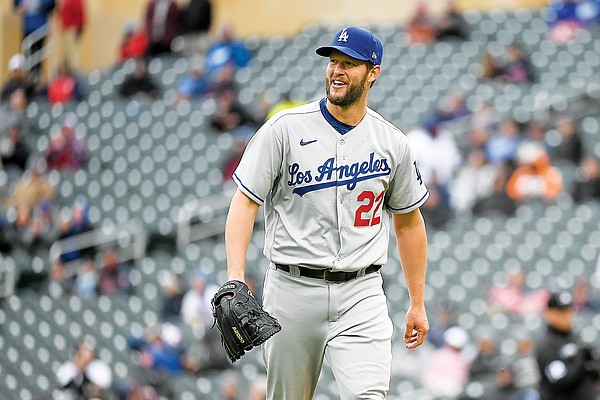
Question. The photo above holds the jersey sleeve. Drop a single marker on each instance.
(260, 165)
(407, 190)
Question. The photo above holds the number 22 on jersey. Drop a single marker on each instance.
(368, 213)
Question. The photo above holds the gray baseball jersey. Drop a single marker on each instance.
(328, 196)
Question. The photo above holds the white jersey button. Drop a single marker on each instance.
(342, 141)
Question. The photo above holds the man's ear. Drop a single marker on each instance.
(374, 74)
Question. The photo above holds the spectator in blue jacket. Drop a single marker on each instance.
(226, 51)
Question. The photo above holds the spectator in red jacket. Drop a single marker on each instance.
(64, 87)
(66, 151)
(71, 14)
(134, 43)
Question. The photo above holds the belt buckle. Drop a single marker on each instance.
(325, 276)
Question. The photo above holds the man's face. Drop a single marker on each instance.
(346, 79)
(560, 319)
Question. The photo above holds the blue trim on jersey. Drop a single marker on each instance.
(412, 205)
(339, 126)
(311, 188)
(239, 181)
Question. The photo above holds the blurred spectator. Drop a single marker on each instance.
(196, 16)
(437, 157)
(84, 376)
(17, 79)
(452, 24)
(583, 300)
(140, 85)
(513, 68)
(20, 231)
(421, 28)
(566, 17)
(449, 107)
(162, 25)
(193, 85)
(536, 133)
(258, 388)
(196, 313)
(503, 144)
(587, 180)
(233, 161)
(447, 370)
(45, 225)
(472, 182)
(229, 386)
(498, 202)
(13, 148)
(13, 113)
(283, 104)
(32, 188)
(71, 15)
(34, 15)
(31, 231)
(196, 21)
(172, 297)
(114, 275)
(568, 368)
(484, 363)
(491, 68)
(196, 309)
(517, 68)
(65, 86)
(79, 222)
(524, 365)
(535, 178)
(60, 282)
(223, 81)
(505, 388)
(444, 318)
(86, 280)
(436, 211)
(569, 146)
(513, 297)
(5, 245)
(232, 117)
(163, 352)
(226, 50)
(65, 150)
(134, 43)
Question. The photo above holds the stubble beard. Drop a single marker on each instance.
(354, 92)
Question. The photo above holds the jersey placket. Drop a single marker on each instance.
(341, 159)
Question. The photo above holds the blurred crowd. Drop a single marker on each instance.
(490, 168)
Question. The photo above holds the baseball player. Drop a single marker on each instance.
(329, 174)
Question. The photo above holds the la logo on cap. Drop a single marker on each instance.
(343, 36)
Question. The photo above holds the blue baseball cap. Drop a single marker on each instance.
(357, 43)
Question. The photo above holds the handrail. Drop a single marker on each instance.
(37, 57)
(544, 100)
(202, 218)
(7, 276)
(111, 233)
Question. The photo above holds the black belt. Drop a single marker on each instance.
(329, 275)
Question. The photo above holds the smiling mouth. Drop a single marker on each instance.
(337, 84)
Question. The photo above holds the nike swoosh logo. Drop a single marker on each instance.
(303, 143)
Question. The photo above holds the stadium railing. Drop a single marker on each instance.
(7, 276)
(130, 237)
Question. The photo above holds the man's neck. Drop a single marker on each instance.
(351, 115)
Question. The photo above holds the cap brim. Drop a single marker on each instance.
(325, 51)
